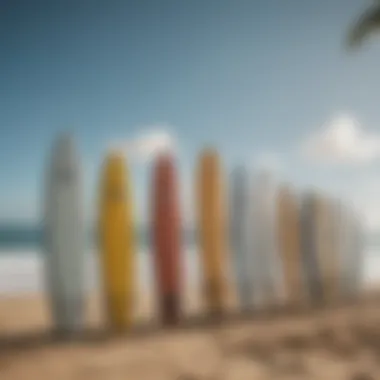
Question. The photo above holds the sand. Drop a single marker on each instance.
(335, 343)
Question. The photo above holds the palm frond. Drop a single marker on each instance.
(368, 23)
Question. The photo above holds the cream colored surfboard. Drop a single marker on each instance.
(309, 245)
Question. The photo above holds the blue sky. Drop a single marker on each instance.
(253, 78)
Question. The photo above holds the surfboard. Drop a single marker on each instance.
(326, 255)
(289, 243)
(64, 237)
(342, 219)
(334, 225)
(240, 234)
(358, 247)
(269, 288)
(211, 228)
(344, 242)
(309, 248)
(351, 251)
(166, 233)
(117, 241)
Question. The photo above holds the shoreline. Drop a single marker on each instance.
(22, 271)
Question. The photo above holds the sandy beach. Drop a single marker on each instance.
(338, 342)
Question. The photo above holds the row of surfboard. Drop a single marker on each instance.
(282, 250)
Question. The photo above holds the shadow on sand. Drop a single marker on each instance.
(41, 339)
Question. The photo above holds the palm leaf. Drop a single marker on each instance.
(368, 23)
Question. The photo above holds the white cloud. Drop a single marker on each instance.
(342, 141)
(150, 143)
(145, 146)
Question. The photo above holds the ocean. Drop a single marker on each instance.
(22, 262)
(22, 259)
(25, 236)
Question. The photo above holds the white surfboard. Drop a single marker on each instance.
(351, 251)
(268, 278)
(240, 235)
(64, 237)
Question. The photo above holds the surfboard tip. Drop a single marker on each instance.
(115, 148)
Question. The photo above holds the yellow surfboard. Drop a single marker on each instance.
(211, 227)
(117, 241)
(326, 247)
(289, 244)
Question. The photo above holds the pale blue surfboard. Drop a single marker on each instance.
(268, 277)
(351, 250)
(240, 235)
(64, 237)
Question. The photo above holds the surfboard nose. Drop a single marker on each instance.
(65, 151)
